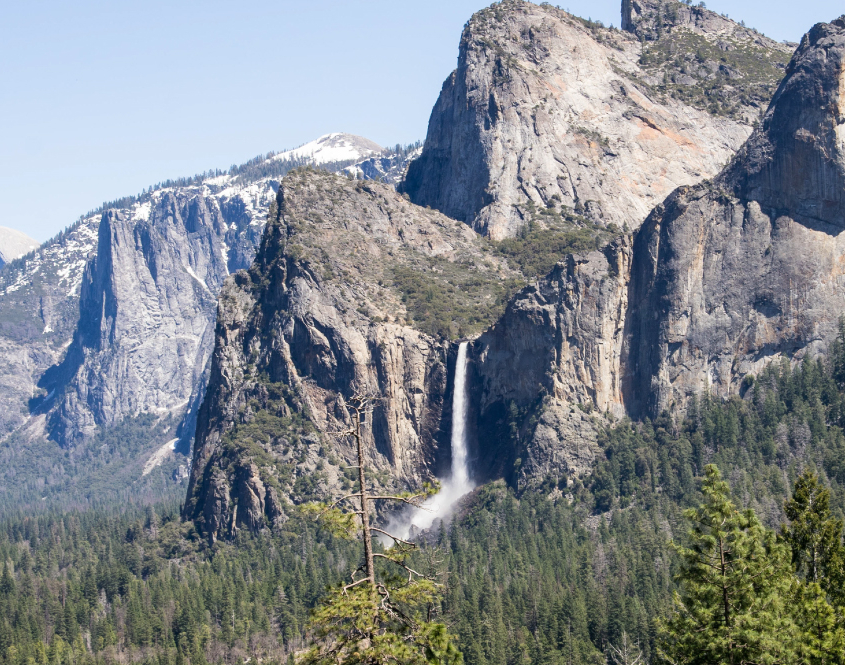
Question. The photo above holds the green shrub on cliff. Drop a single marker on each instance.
(452, 300)
(536, 249)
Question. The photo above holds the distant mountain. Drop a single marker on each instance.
(337, 147)
(106, 330)
(14, 244)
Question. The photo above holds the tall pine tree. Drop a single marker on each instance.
(734, 583)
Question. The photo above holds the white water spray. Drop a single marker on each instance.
(457, 483)
(459, 480)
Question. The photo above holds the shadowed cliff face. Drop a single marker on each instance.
(730, 275)
(546, 109)
(147, 307)
(553, 358)
(795, 163)
(324, 311)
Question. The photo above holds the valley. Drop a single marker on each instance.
(611, 272)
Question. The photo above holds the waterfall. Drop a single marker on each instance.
(459, 477)
(457, 482)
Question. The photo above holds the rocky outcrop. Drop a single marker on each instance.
(564, 333)
(546, 109)
(795, 163)
(721, 279)
(146, 313)
(650, 19)
(704, 59)
(324, 311)
(732, 274)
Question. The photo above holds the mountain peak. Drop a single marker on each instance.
(547, 111)
(795, 160)
(335, 147)
(14, 244)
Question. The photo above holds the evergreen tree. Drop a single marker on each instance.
(820, 639)
(7, 582)
(813, 534)
(735, 581)
(381, 617)
(815, 538)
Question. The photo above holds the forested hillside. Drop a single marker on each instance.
(605, 300)
(550, 576)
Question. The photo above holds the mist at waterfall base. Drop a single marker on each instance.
(457, 483)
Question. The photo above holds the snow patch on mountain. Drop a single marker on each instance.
(389, 167)
(65, 258)
(336, 147)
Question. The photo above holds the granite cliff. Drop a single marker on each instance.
(548, 110)
(722, 278)
(732, 274)
(147, 310)
(340, 298)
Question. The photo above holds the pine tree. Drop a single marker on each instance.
(7, 582)
(821, 638)
(735, 581)
(380, 617)
(815, 538)
(813, 534)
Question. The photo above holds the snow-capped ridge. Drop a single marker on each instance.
(335, 147)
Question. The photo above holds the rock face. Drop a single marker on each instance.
(796, 162)
(732, 274)
(147, 310)
(324, 311)
(39, 310)
(552, 358)
(722, 278)
(545, 108)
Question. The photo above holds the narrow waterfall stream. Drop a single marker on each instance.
(458, 482)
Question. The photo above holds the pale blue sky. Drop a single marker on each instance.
(101, 99)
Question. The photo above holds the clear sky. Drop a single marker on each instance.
(101, 99)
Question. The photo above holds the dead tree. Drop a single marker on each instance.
(376, 619)
(360, 407)
(626, 654)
